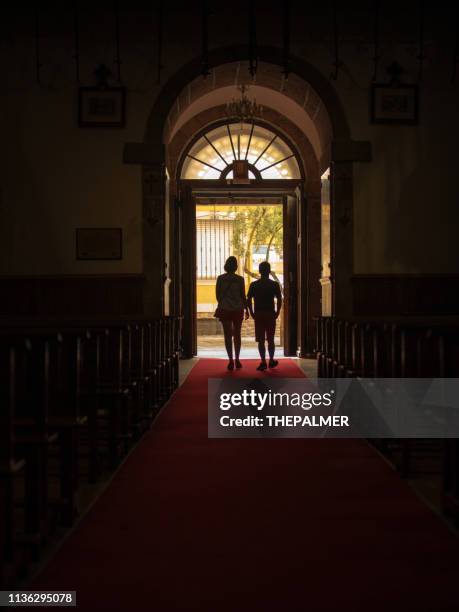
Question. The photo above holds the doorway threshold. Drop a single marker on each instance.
(246, 353)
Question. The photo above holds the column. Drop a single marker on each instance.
(342, 237)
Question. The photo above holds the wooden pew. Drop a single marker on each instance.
(33, 436)
(63, 400)
(75, 386)
(11, 465)
(61, 411)
(448, 362)
(393, 347)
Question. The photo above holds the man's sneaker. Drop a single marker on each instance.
(262, 366)
(273, 363)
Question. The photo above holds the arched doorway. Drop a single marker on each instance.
(304, 219)
(253, 164)
(308, 110)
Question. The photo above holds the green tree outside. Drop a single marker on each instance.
(256, 227)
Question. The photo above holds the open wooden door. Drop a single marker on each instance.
(302, 274)
(290, 275)
(188, 270)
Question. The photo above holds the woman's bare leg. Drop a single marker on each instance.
(228, 333)
(237, 339)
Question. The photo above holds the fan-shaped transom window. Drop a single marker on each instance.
(213, 155)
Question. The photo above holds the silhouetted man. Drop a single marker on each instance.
(263, 292)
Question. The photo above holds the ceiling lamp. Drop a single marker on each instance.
(244, 109)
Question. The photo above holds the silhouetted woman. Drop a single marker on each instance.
(232, 303)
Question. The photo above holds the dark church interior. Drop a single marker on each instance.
(143, 145)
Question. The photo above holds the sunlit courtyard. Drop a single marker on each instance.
(252, 233)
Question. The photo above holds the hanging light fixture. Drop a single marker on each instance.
(243, 109)
(205, 40)
(286, 40)
(253, 50)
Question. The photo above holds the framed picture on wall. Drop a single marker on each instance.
(397, 104)
(101, 107)
(99, 243)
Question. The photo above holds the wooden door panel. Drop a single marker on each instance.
(188, 280)
(290, 275)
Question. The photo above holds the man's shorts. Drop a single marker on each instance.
(265, 326)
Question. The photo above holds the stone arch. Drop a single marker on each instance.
(306, 87)
(174, 88)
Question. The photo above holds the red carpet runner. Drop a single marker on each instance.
(190, 523)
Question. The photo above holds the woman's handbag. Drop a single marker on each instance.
(218, 310)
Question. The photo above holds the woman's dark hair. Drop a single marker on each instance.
(230, 264)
